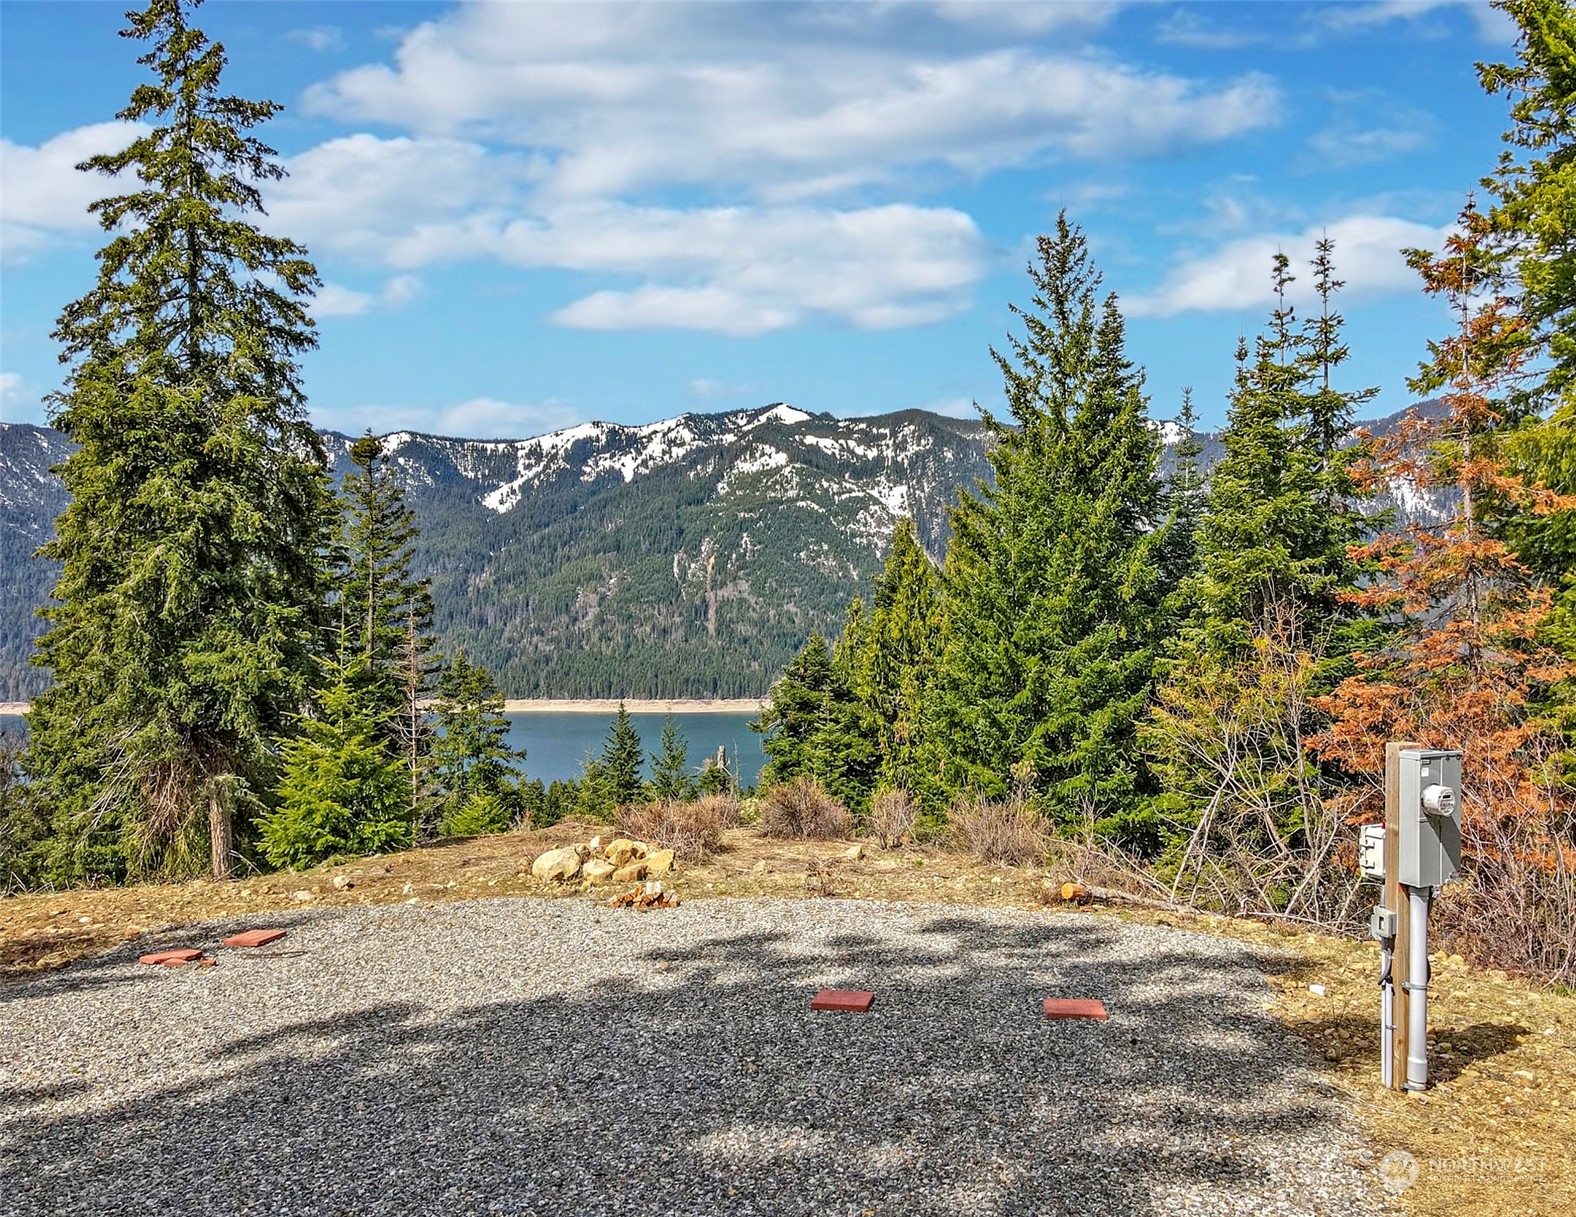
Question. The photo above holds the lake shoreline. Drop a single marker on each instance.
(586, 705)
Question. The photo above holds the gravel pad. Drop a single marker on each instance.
(558, 1057)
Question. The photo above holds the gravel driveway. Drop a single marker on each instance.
(557, 1057)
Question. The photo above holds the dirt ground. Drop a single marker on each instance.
(1496, 1133)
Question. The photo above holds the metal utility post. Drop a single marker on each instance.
(1419, 849)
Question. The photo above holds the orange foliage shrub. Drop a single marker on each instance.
(1466, 665)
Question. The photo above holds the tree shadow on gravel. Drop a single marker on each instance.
(698, 1082)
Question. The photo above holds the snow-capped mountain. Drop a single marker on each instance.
(690, 556)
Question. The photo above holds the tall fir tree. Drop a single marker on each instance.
(388, 611)
(790, 720)
(185, 621)
(475, 767)
(1266, 628)
(1467, 661)
(1532, 240)
(622, 757)
(1052, 580)
(894, 667)
(671, 778)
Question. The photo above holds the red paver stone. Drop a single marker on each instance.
(857, 1000)
(176, 963)
(254, 938)
(1074, 1007)
(183, 954)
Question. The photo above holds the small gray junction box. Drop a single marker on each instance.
(1430, 817)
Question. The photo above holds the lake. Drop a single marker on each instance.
(557, 743)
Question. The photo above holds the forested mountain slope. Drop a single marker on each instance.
(684, 558)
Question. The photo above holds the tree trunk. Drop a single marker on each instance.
(221, 829)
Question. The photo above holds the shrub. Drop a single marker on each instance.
(802, 809)
(1008, 832)
(479, 815)
(892, 818)
(692, 830)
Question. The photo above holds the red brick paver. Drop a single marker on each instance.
(184, 954)
(857, 1000)
(254, 938)
(1074, 1007)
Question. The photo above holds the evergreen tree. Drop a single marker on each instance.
(621, 760)
(894, 668)
(342, 790)
(791, 719)
(1533, 222)
(1052, 580)
(380, 600)
(1466, 663)
(1531, 240)
(670, 774)
(475, 766)
(1187, 493)
(389, 611)
(182, 634)
(1279, 515)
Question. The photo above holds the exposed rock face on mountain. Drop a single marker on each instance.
(688, 557)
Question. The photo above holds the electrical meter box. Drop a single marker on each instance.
(1430, 816)
(1370, 851)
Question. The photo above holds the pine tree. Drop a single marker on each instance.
(379, 597)
(1533, 222)
(1266, 629)
(670, 773)
(1533, 244)
(1187, 492)
(793, 716)
(894, 668)
(475, 766)
(621, 760)
(389, 611)
(342, 790)
(184, 624)
(1052, 579)
(1466, 663)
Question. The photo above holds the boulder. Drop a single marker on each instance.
(623, 850)
(597, 871)
(630, 871)
(660, 862)
(557, 865)
(854, 852)
(594, 845)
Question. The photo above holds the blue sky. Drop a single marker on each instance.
(531, 215)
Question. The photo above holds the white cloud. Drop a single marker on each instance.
(334, 300)
(1343, 147)
(1183, 27)
(473, 418)
(489, 418)
(319, 38)
(12, 389)
(43, 196)
(704, 388)
(750, 97)
(1237, 274)
(953, 407)
(1492, 24)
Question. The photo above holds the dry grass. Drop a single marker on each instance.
(892, 818)
(1499, 1030)
(801, 810)
(1008, 832)
(693, 831)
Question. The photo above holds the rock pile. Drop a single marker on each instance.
(648, 895)
(617, 861)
